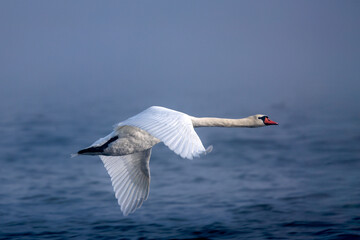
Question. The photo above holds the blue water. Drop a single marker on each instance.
(298, 180)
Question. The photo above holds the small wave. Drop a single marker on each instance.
(310, 224)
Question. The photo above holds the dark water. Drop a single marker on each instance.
(294, 181)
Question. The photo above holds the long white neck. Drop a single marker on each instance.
(224, 122)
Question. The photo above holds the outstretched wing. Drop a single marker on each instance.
(130, 177)
(173, 128)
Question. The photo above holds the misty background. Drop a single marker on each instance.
(201, 57)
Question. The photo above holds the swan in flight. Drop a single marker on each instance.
(126, 151)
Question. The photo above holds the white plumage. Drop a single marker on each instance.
(173, 128)
(130, 177)
(126, 151)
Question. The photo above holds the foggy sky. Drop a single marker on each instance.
(198, 56)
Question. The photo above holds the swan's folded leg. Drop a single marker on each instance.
(130, 177)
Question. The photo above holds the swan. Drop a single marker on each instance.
(126, 151)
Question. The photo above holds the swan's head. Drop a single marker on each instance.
(263, 120)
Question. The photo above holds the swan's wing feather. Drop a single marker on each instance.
(173, 128)
(130, 177)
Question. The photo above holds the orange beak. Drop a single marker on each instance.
(267, 121)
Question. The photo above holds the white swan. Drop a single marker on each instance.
(126, 151)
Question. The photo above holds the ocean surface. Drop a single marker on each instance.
(298, 180)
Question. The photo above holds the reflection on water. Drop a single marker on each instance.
(298, 182)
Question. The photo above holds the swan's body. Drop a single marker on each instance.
(126, 151)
